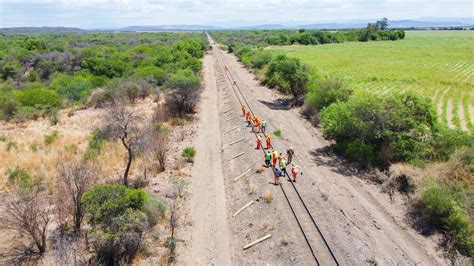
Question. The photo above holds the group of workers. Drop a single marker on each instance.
(272, 156)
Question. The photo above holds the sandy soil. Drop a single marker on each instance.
(360, 222)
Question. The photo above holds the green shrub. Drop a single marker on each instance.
(8, 107)
(188, 153)
(104, 202)
(40, 97)
(152, 74)
(277, 132)
(447, 140)
(154, 209)
(119, 216)
(19, 177)
(287, 74)
(443, 209)
(393, 128)
(326, 92)
(51, 138)
(3, 138)
(97, 141)
(53, 116)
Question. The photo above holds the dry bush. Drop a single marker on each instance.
(268, 196)
(160, 115)
(29, 211)
(284, 240)
(461, 166)
(155, 146)
(75, 177)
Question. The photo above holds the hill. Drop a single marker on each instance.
(42, 30)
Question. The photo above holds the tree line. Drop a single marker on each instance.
(373, 32)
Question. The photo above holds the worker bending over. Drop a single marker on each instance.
(259, 142)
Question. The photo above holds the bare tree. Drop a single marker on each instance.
(123, 123)
(75, 177)
(29, 212)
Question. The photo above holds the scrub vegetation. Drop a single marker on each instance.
(79, 136)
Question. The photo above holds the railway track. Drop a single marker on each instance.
(314, 237)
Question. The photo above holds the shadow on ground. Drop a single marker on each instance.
(326, 156)
(278, 104)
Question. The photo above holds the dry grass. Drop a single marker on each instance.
(268, 196)
(252, 190)
(39, 159)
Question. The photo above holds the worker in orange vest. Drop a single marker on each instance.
(244, 109)
(248, 119)
(256, 125)
(259, 142)
(275, 156)
(267, 138)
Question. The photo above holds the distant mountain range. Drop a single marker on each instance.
(433, 23)
(42, 30)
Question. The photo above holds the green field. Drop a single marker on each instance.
(438, 64)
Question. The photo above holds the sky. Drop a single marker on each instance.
(90, 14)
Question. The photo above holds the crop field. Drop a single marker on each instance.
(438, 64)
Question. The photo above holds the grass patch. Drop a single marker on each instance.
(34, 147)
(71, 148)
(51, 138)
(188, 154)
(11, 145)
(3, 138)
(277, 132)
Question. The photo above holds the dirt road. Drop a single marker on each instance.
(360, 221)
(210, 235)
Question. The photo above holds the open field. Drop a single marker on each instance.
(438, 64)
